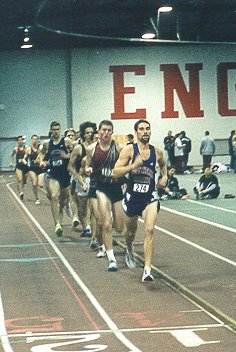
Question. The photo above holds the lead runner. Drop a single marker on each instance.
(139, 161)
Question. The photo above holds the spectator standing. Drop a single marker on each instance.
(179, 153)
(231, 152)
(187, 149)
(207, 150)
(169, 145)
(208, 186)
(234, 151)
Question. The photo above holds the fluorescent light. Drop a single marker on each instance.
(165, 9)
(26, 46)
(148, 35)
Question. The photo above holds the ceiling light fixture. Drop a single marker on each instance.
(27, 44)
(149, 30)
(148, 35)
(165, 9)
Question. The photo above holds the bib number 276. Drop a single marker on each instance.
(140, 187)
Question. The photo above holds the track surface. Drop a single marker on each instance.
(55, 295)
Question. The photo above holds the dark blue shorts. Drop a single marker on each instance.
(135, 205)
(63, 178)
(36, 169)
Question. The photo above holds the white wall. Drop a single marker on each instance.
(35, 89)
(93, 89)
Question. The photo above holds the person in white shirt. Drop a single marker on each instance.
(179, 153)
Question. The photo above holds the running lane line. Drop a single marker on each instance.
(119, 335)
(227, 228)
(213, 254)
(4, 338)
(211, 206)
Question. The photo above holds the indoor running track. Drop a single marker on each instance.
(55, 295)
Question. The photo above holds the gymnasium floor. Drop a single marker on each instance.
(55, 295)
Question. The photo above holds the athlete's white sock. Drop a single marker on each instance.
(110, 255)
(147, 270)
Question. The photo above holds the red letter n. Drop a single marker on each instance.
(222, 87)
(190, 100)
(120, 90)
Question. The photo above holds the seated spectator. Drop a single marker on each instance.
(172, 190)
(207, 186)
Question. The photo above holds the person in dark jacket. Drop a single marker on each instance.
(231, 152)
(172, 190)
(187, 149)
(208, 186)
(169, 144)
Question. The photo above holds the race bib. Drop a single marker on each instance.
(140, 188)
(57, 163)
(56, 158)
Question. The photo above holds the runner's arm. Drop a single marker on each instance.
(12, 157)
(89, 155)
(77, 151)
(82, 174)
(123, 164)
(26, 156)
(163, 168)
(43, 153)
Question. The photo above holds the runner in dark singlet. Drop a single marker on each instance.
(35, 170)
(80, 204)
(101, 158)
(57, 178)
(140, 198)
(21, 168)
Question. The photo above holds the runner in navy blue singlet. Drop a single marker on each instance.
(138, 163)
(57, 178)
(35, 170)
(21, 168)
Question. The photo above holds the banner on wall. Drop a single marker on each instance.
(175, 88)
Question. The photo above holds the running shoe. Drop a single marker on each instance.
(101, 252)
(164, 197)
(75, 222)
(112, 266)
(147, 276)
(37, 202)
(86, 233)
(129, 259)
(58, 230)
(93, 245)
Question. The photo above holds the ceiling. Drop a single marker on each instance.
(57, 24)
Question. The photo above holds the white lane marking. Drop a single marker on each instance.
(227, 228)
(75, 276)
(213, 254)
(4, 338)
(211, 206)
(69, 334)
(189, 338)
